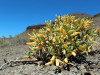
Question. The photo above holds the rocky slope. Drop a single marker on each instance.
(85, 65)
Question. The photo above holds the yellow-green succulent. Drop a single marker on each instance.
(67, 37)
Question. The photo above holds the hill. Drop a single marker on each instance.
(14, 48)
(22, 38)
(78, 15)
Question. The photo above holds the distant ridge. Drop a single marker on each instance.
(96, 15)
(35, 27)
(81, 15)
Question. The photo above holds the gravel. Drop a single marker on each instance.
(17, 52)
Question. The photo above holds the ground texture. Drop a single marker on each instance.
(83, 65)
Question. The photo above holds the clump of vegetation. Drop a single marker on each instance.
(3, 42)
(67, 37)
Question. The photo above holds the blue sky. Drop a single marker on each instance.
(17, 15)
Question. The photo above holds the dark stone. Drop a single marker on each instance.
(87, 73)
(57, 70)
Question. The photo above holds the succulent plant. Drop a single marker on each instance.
(67, 37)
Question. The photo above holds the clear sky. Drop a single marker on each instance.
(17, 15)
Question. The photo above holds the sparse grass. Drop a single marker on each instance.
(20, 39)
(4, 42)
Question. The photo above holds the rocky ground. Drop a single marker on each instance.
(83, 65)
